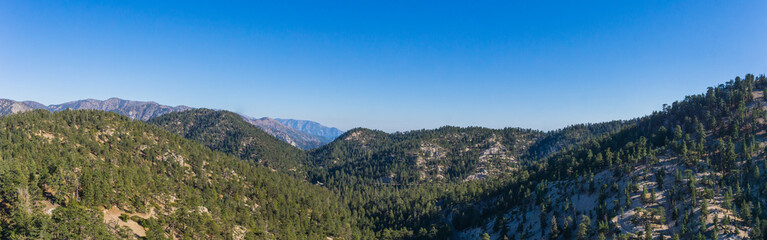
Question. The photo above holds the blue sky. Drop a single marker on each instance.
(389, 65)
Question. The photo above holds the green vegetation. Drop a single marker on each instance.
(713, 145)
(364, 157)
(228, 132)
(89, 160)
(690, 171)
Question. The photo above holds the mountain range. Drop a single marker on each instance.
(301, 133)
(313, 128)
(11, 107)
(133, 109)
(295, 137)
(692, 170)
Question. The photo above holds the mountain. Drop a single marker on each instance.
(690, 171)
(444, 154)
(292, 136)
(228, 132)
(11, 107)
(572, 136)
(447, 153)
(133, 109)
(417, 184)
(147, 110)
(35, 105)
(313, 128)
(91, 174)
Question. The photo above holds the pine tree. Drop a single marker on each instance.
(485, 236)
(645, 195)
(745, 211)
(704, 208)
(554, 228)
(583, 227)
(647, 232)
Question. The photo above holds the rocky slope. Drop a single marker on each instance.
(449, 153)
(10, 107)
(690, 171)
(35, 105)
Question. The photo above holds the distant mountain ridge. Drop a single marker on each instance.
(290, 135)
(35, 105)
(301, 133)
(136, 110)
(8, 106)
(133, 109)
(313, 128)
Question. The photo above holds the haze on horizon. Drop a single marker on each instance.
(394, 66)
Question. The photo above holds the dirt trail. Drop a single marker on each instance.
(113, 215)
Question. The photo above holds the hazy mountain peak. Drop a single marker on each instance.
(132, 109)
(313, 128)
(294, 137)
(35, 105)
(8, 106)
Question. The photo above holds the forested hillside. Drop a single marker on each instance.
(572, 136)
(690, 171)
(62, 174)
(228, 132)
(363, 156)
(396, 184)
(422, 184)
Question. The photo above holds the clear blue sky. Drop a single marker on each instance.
(389, 65)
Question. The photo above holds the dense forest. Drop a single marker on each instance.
(691, 170)
(60, 171)
(228, 132)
